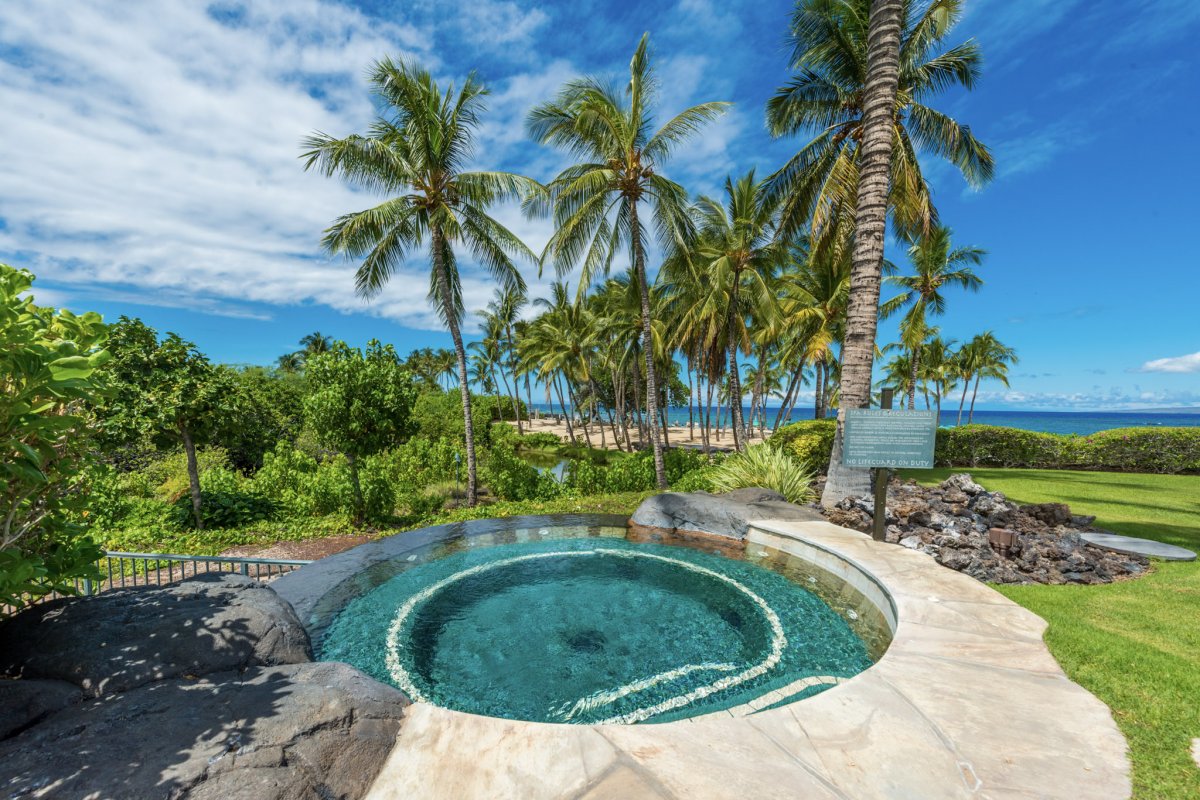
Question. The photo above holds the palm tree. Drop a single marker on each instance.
(737, 245)
(505, 308)
(936, 264)
(595, 202)
(290, 362)
(416, 152)
(315, 343)
(938, 366)
(832, 93)
(877, 129)
(985, 356)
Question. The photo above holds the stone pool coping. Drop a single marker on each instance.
(966, 702)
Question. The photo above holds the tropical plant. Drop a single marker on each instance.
(936, 265)
(359, 405)
(417, 152)
(165, 391)
(984, 356)
(836, 87)
(764, 466)
(48, 365)
(596, 201)
(736, 244)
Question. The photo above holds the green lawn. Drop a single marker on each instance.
(1135, 644)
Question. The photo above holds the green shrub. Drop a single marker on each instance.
(992, 446)
(810, 441)
(536, 441)
(766, 466)
(167, 475)
(633, 473)
(1152, 450)
(228, 500)
(511, 478)
(698, 480)
(439, 415)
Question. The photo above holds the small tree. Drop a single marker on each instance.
(164, 391)
(358, 405)
(48, 360)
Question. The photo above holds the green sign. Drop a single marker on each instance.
(876, 437)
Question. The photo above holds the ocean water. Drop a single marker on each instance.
(1078, 422)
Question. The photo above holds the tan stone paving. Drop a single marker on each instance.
(966, 703)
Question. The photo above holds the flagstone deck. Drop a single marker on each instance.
(966, 703)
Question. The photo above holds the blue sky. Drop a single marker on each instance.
(150, 164)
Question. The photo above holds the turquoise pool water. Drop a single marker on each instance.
(583, 626)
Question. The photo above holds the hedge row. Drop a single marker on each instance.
(1153, 450)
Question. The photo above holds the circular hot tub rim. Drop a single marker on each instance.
(333, 582)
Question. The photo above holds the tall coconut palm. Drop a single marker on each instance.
(315, 343)
(596, 201)
(879, 94)
(832, 94)
(738, 246)
(290, 362)
(985, 356)
(416, 153)
(938, 366)
(936, 264)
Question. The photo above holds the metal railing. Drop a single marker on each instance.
(124, 570)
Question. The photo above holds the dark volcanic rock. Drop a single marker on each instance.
(123, 639)
(728, 514)
(204, 689)
(951, 521)
(22, 703)
(296, 731)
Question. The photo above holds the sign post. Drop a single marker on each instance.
(885, 439)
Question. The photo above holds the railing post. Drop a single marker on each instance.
(87, 587)
(245, 569)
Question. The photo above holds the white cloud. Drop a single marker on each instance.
(1188, 363)
(152, 152)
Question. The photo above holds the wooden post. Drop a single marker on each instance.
(879, 526)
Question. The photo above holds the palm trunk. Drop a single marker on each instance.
(862, 313)
(691, 397)
(443, 284)
(356, 485)
(193, 470)
(963, 399)
(706, 420)
(566, 415)
(974, 392)
(574, 397)
(516, 389)
(915, 355)
(787, 398)
(660, 470)
(818, 390)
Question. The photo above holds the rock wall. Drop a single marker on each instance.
(202, 689)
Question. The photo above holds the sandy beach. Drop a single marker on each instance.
(677, 435)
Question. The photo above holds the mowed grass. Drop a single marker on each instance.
(1134, 644)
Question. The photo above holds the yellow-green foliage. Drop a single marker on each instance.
(766, 466)
(810, 441)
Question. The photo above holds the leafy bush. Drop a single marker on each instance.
(1152, 450)
(810, 441)
(48, 364)
(167, 475)
(439, 415)
(534, 441)
(698, 480)
(511, 478)
(767, 466)
(633, 473)
(229, 502)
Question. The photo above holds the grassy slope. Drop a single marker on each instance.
(1135, 644)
